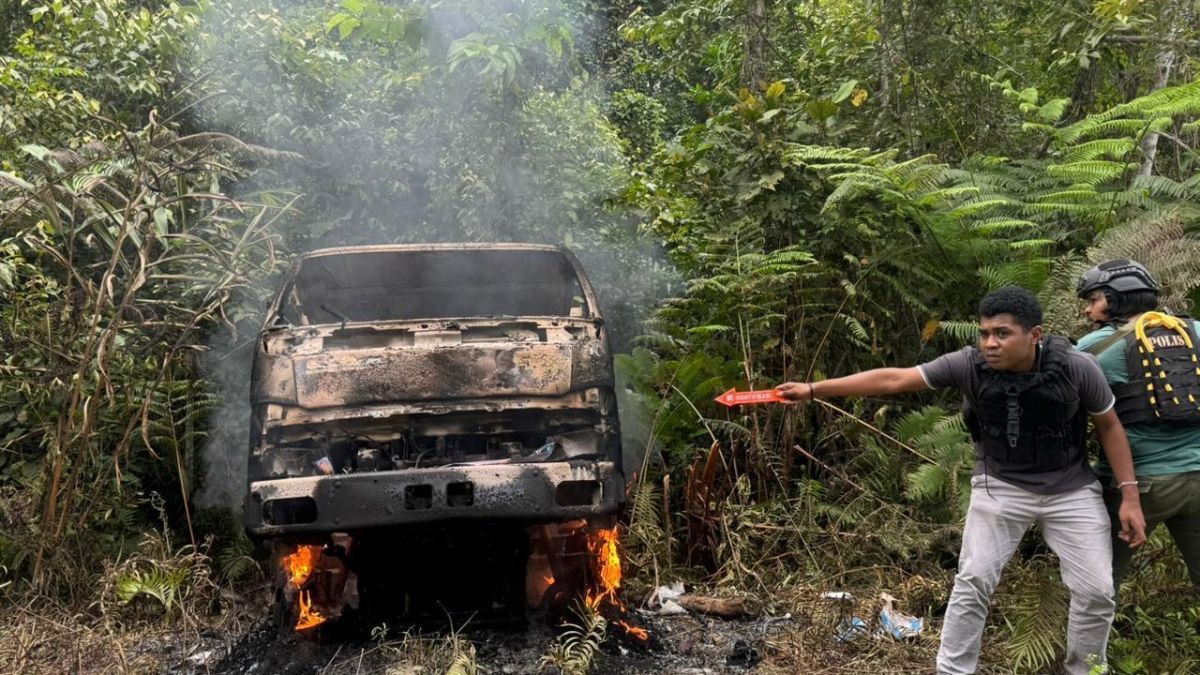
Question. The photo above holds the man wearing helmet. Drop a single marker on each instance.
(1150, 362)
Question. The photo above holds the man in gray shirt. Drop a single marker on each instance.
(1026, 399)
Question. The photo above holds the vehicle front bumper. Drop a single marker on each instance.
(540, 492)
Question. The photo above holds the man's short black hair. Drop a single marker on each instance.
(1129, 303)
(1022, 304)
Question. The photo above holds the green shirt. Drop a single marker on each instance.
(1157, 449)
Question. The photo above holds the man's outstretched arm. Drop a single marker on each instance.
(880, 381)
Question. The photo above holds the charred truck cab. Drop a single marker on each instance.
(411, 399)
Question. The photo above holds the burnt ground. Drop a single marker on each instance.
(800, 633)
(795, 629)
(679, 644)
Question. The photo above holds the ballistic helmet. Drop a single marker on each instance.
(1120, 276)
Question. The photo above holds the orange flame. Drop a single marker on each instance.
(309, 617)
(299, 566)
(603, 547)
(639, 633)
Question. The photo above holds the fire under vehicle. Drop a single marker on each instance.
(431, 426)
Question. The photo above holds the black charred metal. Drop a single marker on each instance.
(532, 492)
(397, 385)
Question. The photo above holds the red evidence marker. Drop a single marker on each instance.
(734, 397)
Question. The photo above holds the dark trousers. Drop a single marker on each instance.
(1172, 500)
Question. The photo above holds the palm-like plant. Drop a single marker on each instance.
(135, 252)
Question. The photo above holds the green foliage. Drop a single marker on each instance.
(163, 585)
(649, 541)
(1157, 627)
(176, 581)
(77, 63)
(918, 76)
(121, 255)
(946, 483)
(640, 120)
(1159, 642)
(573, 651)
(801, 259)
(465, 120)
(232, 553)
(450, 653)
(1034, 607)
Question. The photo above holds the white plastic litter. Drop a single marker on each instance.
(895, 623)
(663, 598)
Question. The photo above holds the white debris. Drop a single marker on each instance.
(671, 607)
(664, 598)
(200, 658)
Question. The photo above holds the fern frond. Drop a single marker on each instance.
(917, 422)
(961, 332)
(573, 651)
(1000, 225)
(1112, 148)
(819, 154)
(973, 208)
(1167, 102)
(1090, 172)
(1035, 611)
(1161, 186)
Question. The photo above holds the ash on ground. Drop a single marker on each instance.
(679, 644)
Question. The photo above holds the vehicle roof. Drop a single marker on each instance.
(401, 248)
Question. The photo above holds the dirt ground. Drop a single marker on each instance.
(679, 644)
(799, 634)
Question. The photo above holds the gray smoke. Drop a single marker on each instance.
(461, 120)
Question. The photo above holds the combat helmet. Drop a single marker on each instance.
(1120, 276)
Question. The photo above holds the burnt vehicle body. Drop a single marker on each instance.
(431, 388)
(406, 384)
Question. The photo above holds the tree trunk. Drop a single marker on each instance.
(887, 52)
(754, 66)
(1164, 63)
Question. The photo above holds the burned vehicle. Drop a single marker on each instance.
(418, 411)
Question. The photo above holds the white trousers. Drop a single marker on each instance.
(1076, 527)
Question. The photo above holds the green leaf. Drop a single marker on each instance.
(769, 115)
(769, 181)
(345, 28)
(821, 109)
(162, 221)
(844, 91)
(36, 151)
(334, 21)
(1053, 109)
(19, 182)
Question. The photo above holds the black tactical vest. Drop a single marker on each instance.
(1029, 421)
(1164, 376)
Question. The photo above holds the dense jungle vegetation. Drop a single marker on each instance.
(762, 191)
